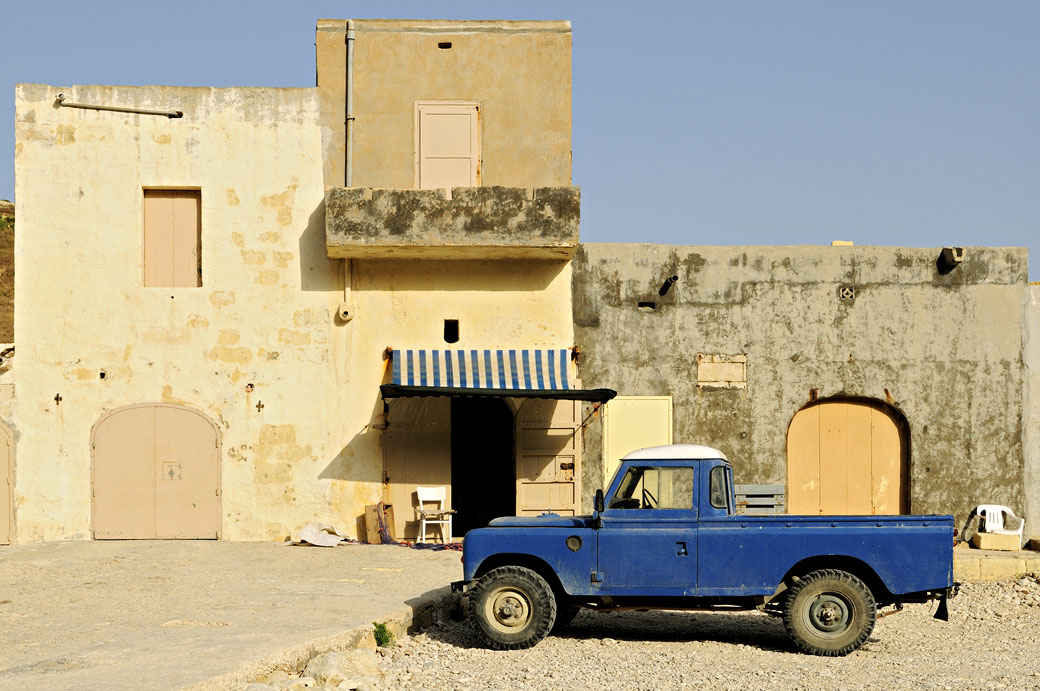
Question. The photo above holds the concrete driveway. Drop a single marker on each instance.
(172, 614)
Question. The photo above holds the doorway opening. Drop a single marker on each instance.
(483, 472)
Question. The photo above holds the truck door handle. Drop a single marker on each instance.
(680, 549)
(566, 466)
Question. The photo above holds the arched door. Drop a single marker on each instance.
(846, 457)
(6, 485)
(155, 474)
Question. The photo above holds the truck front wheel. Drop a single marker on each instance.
(511, 608)
(829, 612)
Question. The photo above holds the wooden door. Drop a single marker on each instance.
(845, 458)
(417, 452)
(631, 423)
(6, 486)
(548, 459)
(447, 145)
(187, 467)
(155, 474)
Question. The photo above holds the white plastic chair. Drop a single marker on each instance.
(439, 516)
(992, 516)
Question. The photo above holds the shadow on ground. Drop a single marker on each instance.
(751, 629)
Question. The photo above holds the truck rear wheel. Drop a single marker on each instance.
(829, 612)
(511, 608)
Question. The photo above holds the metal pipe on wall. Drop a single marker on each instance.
(349, 173)
(62, 103)
(346, 309)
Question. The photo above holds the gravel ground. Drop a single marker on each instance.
(991, 641)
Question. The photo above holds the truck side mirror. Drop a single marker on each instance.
(598, 503)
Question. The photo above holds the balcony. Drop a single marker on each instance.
(474, 223)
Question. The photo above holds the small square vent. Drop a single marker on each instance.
(847, 293)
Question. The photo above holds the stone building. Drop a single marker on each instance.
(242, 310)
(214, 285)
(861, 379)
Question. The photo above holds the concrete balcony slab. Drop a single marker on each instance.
(473, 223)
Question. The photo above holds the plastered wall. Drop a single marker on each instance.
(945, 350)
(519, 72)
(263, 317)
(258, 348)
(1031, 473)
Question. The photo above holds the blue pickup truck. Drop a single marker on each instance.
(665, 536)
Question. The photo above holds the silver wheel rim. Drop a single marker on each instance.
(828, 615)
(507, 609)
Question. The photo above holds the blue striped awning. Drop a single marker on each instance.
(513, 372)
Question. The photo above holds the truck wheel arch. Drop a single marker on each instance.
(528, 562)
(852, 565)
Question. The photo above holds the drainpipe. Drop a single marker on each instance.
(350, 103)
(346, 308)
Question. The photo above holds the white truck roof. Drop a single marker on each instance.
(678, 452)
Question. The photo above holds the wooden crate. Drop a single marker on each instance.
(760, 499)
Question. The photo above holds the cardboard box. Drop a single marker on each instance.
(1007, 543)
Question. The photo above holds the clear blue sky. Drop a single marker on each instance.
(883, 122)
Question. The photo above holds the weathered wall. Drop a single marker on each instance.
(520, 72)
(264, 315)
(945, 350)
(304, 442)
(1031, 475)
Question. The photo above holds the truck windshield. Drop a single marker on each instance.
(655, 488)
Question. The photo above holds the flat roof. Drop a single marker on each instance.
(678, 452)
(448, 26)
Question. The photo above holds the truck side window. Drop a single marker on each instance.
(717, 487)
(655, 488)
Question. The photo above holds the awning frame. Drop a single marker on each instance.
(403, 391)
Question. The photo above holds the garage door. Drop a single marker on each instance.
(155, 474)
(846, 458)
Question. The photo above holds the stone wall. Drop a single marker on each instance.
(1031, 475)
(944, 349)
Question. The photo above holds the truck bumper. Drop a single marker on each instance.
(459, 586)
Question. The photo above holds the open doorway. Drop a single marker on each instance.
(483, 475)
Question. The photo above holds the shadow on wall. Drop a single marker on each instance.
(357, 467)
(480, 275)
(318, 273)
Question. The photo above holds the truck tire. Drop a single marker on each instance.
(511, 608)
(829, 612)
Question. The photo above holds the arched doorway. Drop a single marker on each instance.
(155, 474)
(6, 485)
(847, 457)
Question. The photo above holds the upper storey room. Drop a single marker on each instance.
(440, 105)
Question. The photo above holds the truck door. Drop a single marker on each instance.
(648, 538)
